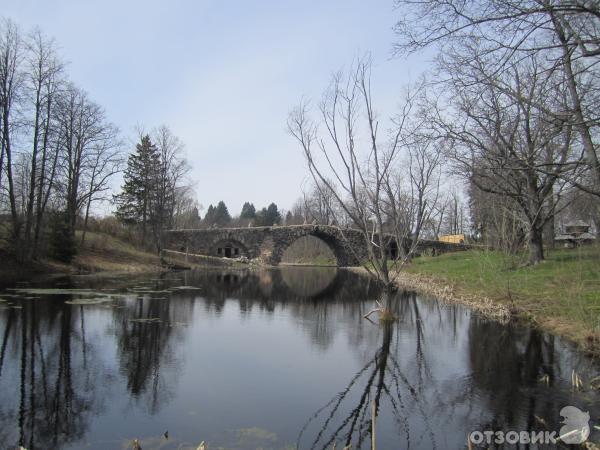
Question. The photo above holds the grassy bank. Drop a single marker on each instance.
(562, 294)
(99, 253)
(104, 253)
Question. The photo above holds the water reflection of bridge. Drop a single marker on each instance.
(283, 284)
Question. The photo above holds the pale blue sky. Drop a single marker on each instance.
(222, 75)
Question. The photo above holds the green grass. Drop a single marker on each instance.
(320, 260)
(562, 293)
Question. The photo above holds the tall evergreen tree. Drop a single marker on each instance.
(209, 218)
(269, 216)
(140, 179)
(273, 216)
(248, 211)
(217, 215)
(222, 216)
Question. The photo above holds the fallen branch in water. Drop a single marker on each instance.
(378, 309)
(384, 313)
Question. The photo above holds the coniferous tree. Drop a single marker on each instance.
(269, 216)
(217, 216)
(273, 216)
(222, 216)
(209, 217)
(248, 211)
(140, 179)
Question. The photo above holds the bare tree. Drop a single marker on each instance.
(358, 172)
(170, 181)
(319, 205)
(298, 214)
(50, 74)
(450, 215)
(11, 83)
(105, 161)
(187, 209)
(505, 146)
(566, 34)
(43, 77)
(58, 150)
(497, 220)
(413, 189)
(88, 151)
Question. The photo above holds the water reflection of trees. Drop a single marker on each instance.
(496, 387)
(382, 382)
(52, 374)
(148, 333)
(47, 376)
(52, 370)
(507, 363)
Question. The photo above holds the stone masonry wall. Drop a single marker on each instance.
(269, 243)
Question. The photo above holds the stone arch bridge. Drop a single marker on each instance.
(268, 244)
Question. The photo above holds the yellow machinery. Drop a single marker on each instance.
(452, 238)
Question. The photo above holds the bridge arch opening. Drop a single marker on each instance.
(309, 250)
(229, 248)
(393, 250)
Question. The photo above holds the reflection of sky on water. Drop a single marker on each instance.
(247, 360)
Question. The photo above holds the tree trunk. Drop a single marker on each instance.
(16, 223)
(536, 245)
(40, 202)
(85, 220)
(42, 205)
(28, 251)
(580, 122)
(1, 146)
(549, 227)
(144, 218)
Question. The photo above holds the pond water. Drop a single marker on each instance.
(270, 359)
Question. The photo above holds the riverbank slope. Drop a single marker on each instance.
(561, 294)
(99, 253)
